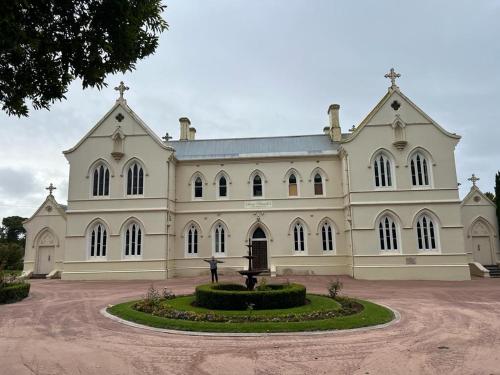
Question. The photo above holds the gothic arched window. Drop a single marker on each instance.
(133, 240)
(135, 179)
(98, 238)
(388, 234)
(292, 186)
(382, 170)
(198, 187)
(257, 186)
(419, 167)
(426, 233)
(222, 186)
(219, 240)
(192, 240)
(318, 184)
(327, 237)
(299, 237)
(100, 181)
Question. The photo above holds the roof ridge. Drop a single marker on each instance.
(247, 138)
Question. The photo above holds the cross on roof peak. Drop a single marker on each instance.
(392, 75)
(473, 179)
(166, 137)
(121, 88)
(50, 188)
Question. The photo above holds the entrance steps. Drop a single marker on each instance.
(38, 276)
(494, 270)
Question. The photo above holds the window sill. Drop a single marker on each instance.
(389, 252)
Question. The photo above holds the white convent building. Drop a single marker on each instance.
(378, 202)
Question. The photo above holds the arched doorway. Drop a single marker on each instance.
(259, 249)
(482, 244)
(45, 252)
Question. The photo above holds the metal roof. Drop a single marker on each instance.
(231, 148)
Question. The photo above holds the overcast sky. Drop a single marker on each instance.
(265, 68)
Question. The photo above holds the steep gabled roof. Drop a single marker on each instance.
(50, 199)
(127, 109)
(475, 190)
(385, 98)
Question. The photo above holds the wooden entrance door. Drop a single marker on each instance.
(481, 250)
(45, 259)
(259, 251)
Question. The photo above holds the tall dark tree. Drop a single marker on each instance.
(13, 230)
(497, 197)
(45, 45)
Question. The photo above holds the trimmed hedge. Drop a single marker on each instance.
(237, 297)
(14, 292)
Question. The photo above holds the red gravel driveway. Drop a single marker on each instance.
(445, 328)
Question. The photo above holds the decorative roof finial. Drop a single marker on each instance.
(167, 137)
(474, 179)
(50, 188)
(392, 75)
(121, 89)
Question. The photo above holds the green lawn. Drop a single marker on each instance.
(372, 314)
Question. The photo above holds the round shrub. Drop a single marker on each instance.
(14, 292)
(237, 297)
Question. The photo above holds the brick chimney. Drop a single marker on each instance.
(333, 115)
(191, 134)
(184, 123)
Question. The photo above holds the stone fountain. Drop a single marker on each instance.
(250, 273)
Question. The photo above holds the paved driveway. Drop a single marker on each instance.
(446, 328)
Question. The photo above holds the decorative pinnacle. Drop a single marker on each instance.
(392, 75)
(50, 188)
(121, 88)
(473, 179)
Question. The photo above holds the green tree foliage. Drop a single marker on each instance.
(13, 230)
(497, 197)
(490, 196)
(45, 45)
(11, 256)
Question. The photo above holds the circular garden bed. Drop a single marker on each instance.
(243, 311)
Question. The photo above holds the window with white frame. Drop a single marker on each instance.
(198, 187)
(292, 186)
(219, 240)
(299, 238)
(100, 181)
(98, 239)
(318, 184)
(419, 167)
(133, 241)
(426, 233)
(327, 237)
(135, 179)
(192, 240)
(382, 171)
(222, 187)
(257, 186)
(388, 234)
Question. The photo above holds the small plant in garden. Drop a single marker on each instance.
(262, 285)
(334, 288)
(151, 300)
(168, 294)
(250, 307)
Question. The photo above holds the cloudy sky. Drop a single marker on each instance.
(264, 68)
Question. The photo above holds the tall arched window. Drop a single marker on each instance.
(426, 233)
(292, 186)
(198, 187)
(100, 181)
(133, 240)
(257, 186)
(98, 238)
(382, 171)
(135, 179)
(299, 237)
(327, 237)
(318, 184)
(192, 240)
(419, 167)
(219, 240)
(388, 234)
(222, 186)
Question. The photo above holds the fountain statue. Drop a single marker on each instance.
(250, 273)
